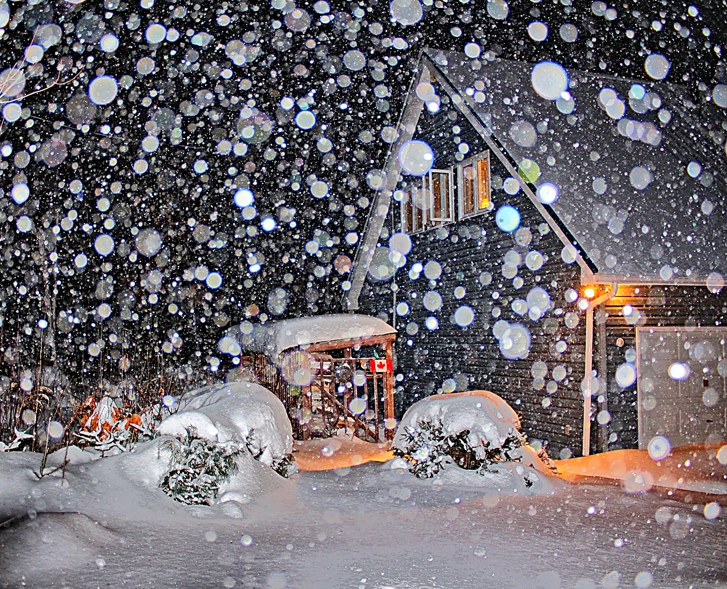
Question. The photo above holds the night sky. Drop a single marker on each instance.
(169, 170)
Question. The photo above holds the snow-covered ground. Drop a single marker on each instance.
(369, 526)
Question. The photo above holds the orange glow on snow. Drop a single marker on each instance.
(338, 452)
(691, 469)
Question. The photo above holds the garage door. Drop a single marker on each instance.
(682, 384)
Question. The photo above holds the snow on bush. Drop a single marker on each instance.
(198, 468)
(239, 412)
(220, 447)
(474, 431)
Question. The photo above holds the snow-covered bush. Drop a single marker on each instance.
(197, 468)
(474, 431)
(241, 412)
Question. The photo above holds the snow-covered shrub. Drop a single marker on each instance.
(197, 468)
(283, 465)
(240, 412)
(473, 430)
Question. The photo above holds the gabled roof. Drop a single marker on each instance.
(670, 231)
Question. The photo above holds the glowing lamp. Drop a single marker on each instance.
(589, 292)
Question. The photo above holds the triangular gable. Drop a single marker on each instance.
(666, 231)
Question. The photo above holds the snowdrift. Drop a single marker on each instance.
(52, 543)
(696, 470)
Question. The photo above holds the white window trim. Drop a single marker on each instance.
(428, 220)
(450, 197)
(460, 185)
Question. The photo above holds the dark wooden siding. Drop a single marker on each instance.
(471, 355)
(657, 306)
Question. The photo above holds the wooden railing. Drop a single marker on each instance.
(322, 407)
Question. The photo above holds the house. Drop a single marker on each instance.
(557, 237)
(331, 372)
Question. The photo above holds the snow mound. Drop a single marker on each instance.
(507, 478)
(53, 541)
(240, 412)
(489, 420)
(71, 455)
(150, 461)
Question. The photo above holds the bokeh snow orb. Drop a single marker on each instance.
(679, 371)
(416, 157)
(549, 80)
(498, 9)
(103, 90)
(104, 245)
(148, 242)
(507, 218)
(523, 133)
(406, 12)
(659, 448)
(626, 375)
(109, 43)
(514, 339)
(464, 316)
(20, 193)
(640, 178)
(657, 66)
(719, 95)
(548, 193)
(538, 31)
(244, 198)
(155, 33)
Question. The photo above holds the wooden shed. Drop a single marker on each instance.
(332, 372)
(565, 251)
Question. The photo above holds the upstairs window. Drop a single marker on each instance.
(428, 202)
(474, 185)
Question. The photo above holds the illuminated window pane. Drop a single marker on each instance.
(468, 189)
(483, 183)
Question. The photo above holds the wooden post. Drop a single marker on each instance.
(376, 404)
(389, 388)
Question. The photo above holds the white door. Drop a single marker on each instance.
(682, 384)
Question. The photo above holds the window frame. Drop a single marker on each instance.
(410, 220)
(473, 162)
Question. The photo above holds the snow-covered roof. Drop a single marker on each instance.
(277, 336)
(642, 190)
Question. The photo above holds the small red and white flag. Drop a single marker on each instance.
(381, 365)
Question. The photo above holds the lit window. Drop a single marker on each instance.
(428, 201)
(474, 185)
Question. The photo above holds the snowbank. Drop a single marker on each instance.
(240, 412)
(694, 468)
(505, 478)
(53, 542)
